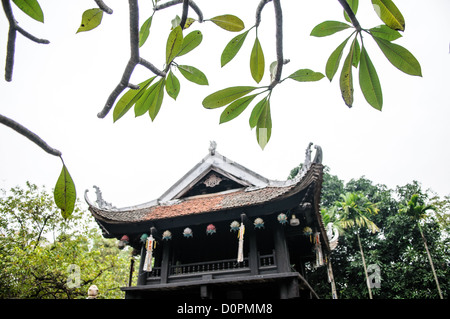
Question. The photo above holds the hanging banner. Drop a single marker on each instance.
(240, 257)
(149, 254)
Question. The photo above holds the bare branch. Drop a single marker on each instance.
(192, 4)
(350, 14)
(103, 6)
(184, 13)
(11, 46)
(167, 4)
(279, 42)
(151, 67)
(19, 128)
(259, 9)
(197, 10)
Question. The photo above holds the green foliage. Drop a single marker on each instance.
(90, 19)
(232, 48)
(369, 81)
(144, 31)
(65, 193)
(397, 248)
(31, 8)
(327, 28)
(38, 247)
(257, 63)
(149, 97)
(389, 14)
(228, 22)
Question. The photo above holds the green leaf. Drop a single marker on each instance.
(232, 48)
(400, 57)
(236, 108)
(226, 96)
(129, 99)
(90, 19)
(229, 22)
(156, 99)
(193, 74)
(31, 8)
(354, 6)
(172, 85)
(384, 32)
(65, 194)
(389, 14)
(369, 82)
(190, 42)
(264, 126)
(144, 32)
(147, 99)
(174, 44)
(356, 52)
(306, 75)
(257, 63)
(346, 80)
(327, 28)
(256, 112)
(334, 60)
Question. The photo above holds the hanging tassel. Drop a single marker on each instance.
(240, 257)
(149, 245)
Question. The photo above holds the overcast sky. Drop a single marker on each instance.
(58, 89)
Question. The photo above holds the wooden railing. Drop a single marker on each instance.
(222, 267)
(218, 265)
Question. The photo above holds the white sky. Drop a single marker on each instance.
(58, 89)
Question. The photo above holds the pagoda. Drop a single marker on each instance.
(224, 231)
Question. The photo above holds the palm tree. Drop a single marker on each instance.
(418, 211)
(354, 211)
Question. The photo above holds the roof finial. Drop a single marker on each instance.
(212, 147)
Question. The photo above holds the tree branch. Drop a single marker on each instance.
(279, 42)
(13, 28)
(350, 14)
(28, 134)
(192, 4)
(184, 13)
(132, 62)
(103, 6)
(259, 9)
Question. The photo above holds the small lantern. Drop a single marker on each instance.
(143, 238)
(167, 235)
(234, 226)
(259, 223)
(294, 221)
(187, 232)
(211, 229)
(307, 231)
(282, 218)
(123, 242)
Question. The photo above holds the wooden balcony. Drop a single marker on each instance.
(214, 269)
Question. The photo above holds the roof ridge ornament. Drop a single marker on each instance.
(318, 157)
(100, 201)
(212, 147)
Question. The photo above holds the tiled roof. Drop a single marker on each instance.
(208, 203)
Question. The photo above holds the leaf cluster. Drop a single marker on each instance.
(358, 57)
(150, 94)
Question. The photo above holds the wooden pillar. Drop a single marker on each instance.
(253, 260)
(165, 262)
(281, 250)
(142, 275)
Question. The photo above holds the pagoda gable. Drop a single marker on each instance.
(213, 174)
